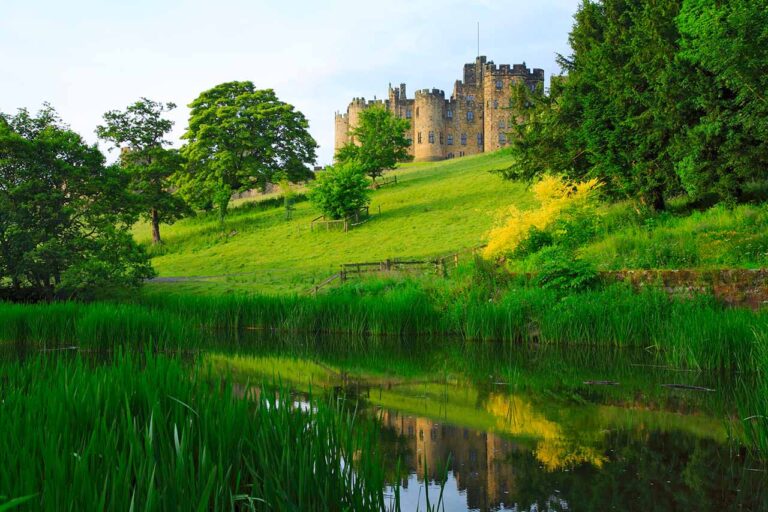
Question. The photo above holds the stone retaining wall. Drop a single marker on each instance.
(735, 287)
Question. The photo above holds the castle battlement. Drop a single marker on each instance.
(437, 93)
(476, 118)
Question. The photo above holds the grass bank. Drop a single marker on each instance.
(152, 436)
(693, 333)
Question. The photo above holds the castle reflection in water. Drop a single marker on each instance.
(479, 461)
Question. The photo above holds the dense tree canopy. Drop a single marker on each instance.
(377, 143)
(64, 215)
(139, 133)
(660, 98)
(238, 138)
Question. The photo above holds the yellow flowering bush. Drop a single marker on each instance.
(558, 199)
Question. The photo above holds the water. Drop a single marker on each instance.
(486, 427)
(520, 430)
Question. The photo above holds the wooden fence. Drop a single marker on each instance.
(392, 180)
(361, 216)
(440, 265)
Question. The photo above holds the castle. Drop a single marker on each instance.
(475, 119)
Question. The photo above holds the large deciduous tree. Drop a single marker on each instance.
(139, 132)
(238, 138)
(377, 143)
(65, 217)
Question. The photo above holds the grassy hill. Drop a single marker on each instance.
(435, 208)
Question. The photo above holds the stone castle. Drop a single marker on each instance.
(475, 119)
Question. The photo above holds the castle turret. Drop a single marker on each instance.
(429, 128)
(341, 128)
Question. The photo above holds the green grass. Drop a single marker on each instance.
(715, 238)
(152, 436)
(434, 209)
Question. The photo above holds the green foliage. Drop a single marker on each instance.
(561, 270)
(378, 142)
(536, 240)
(238, 138)
(724, 53)
(659, 98)
(339, 191)
(138, 132)
(64, 215)
(151, 434)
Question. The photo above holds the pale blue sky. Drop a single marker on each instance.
(87, 56)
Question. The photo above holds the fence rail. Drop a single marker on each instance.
(361, 216)
(439, 263)
(392, 180)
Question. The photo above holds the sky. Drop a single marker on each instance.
(86, 57)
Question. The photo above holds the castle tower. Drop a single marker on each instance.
(429, 128)
(341, 129)
(498, 86)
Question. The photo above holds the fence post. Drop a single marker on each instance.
(456, 260)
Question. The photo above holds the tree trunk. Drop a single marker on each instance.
(155, 226)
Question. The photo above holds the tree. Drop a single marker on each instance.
(377, 143)
(139, 132)
(339, 191)
(65, 217)
(238, 138)
(725, 144)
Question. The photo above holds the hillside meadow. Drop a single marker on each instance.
(434, 209)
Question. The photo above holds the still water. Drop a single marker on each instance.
(484, 427)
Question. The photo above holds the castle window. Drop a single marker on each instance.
(470, 116)
(479, 139)
(501, 123)
(502, 138)
(431, 137)
(463, 139)
(450, 140)
(449, 114)
(499, 84)
(417, 111)
(408, 113)
(496, 104)
(419, 137)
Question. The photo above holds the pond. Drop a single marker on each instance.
(491, 427)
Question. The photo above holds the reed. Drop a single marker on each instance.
(148, 434)
(694, 333)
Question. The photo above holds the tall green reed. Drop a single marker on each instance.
(149, 435)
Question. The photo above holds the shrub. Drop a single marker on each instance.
(340, 190)
(563, 271)
(562, 204)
